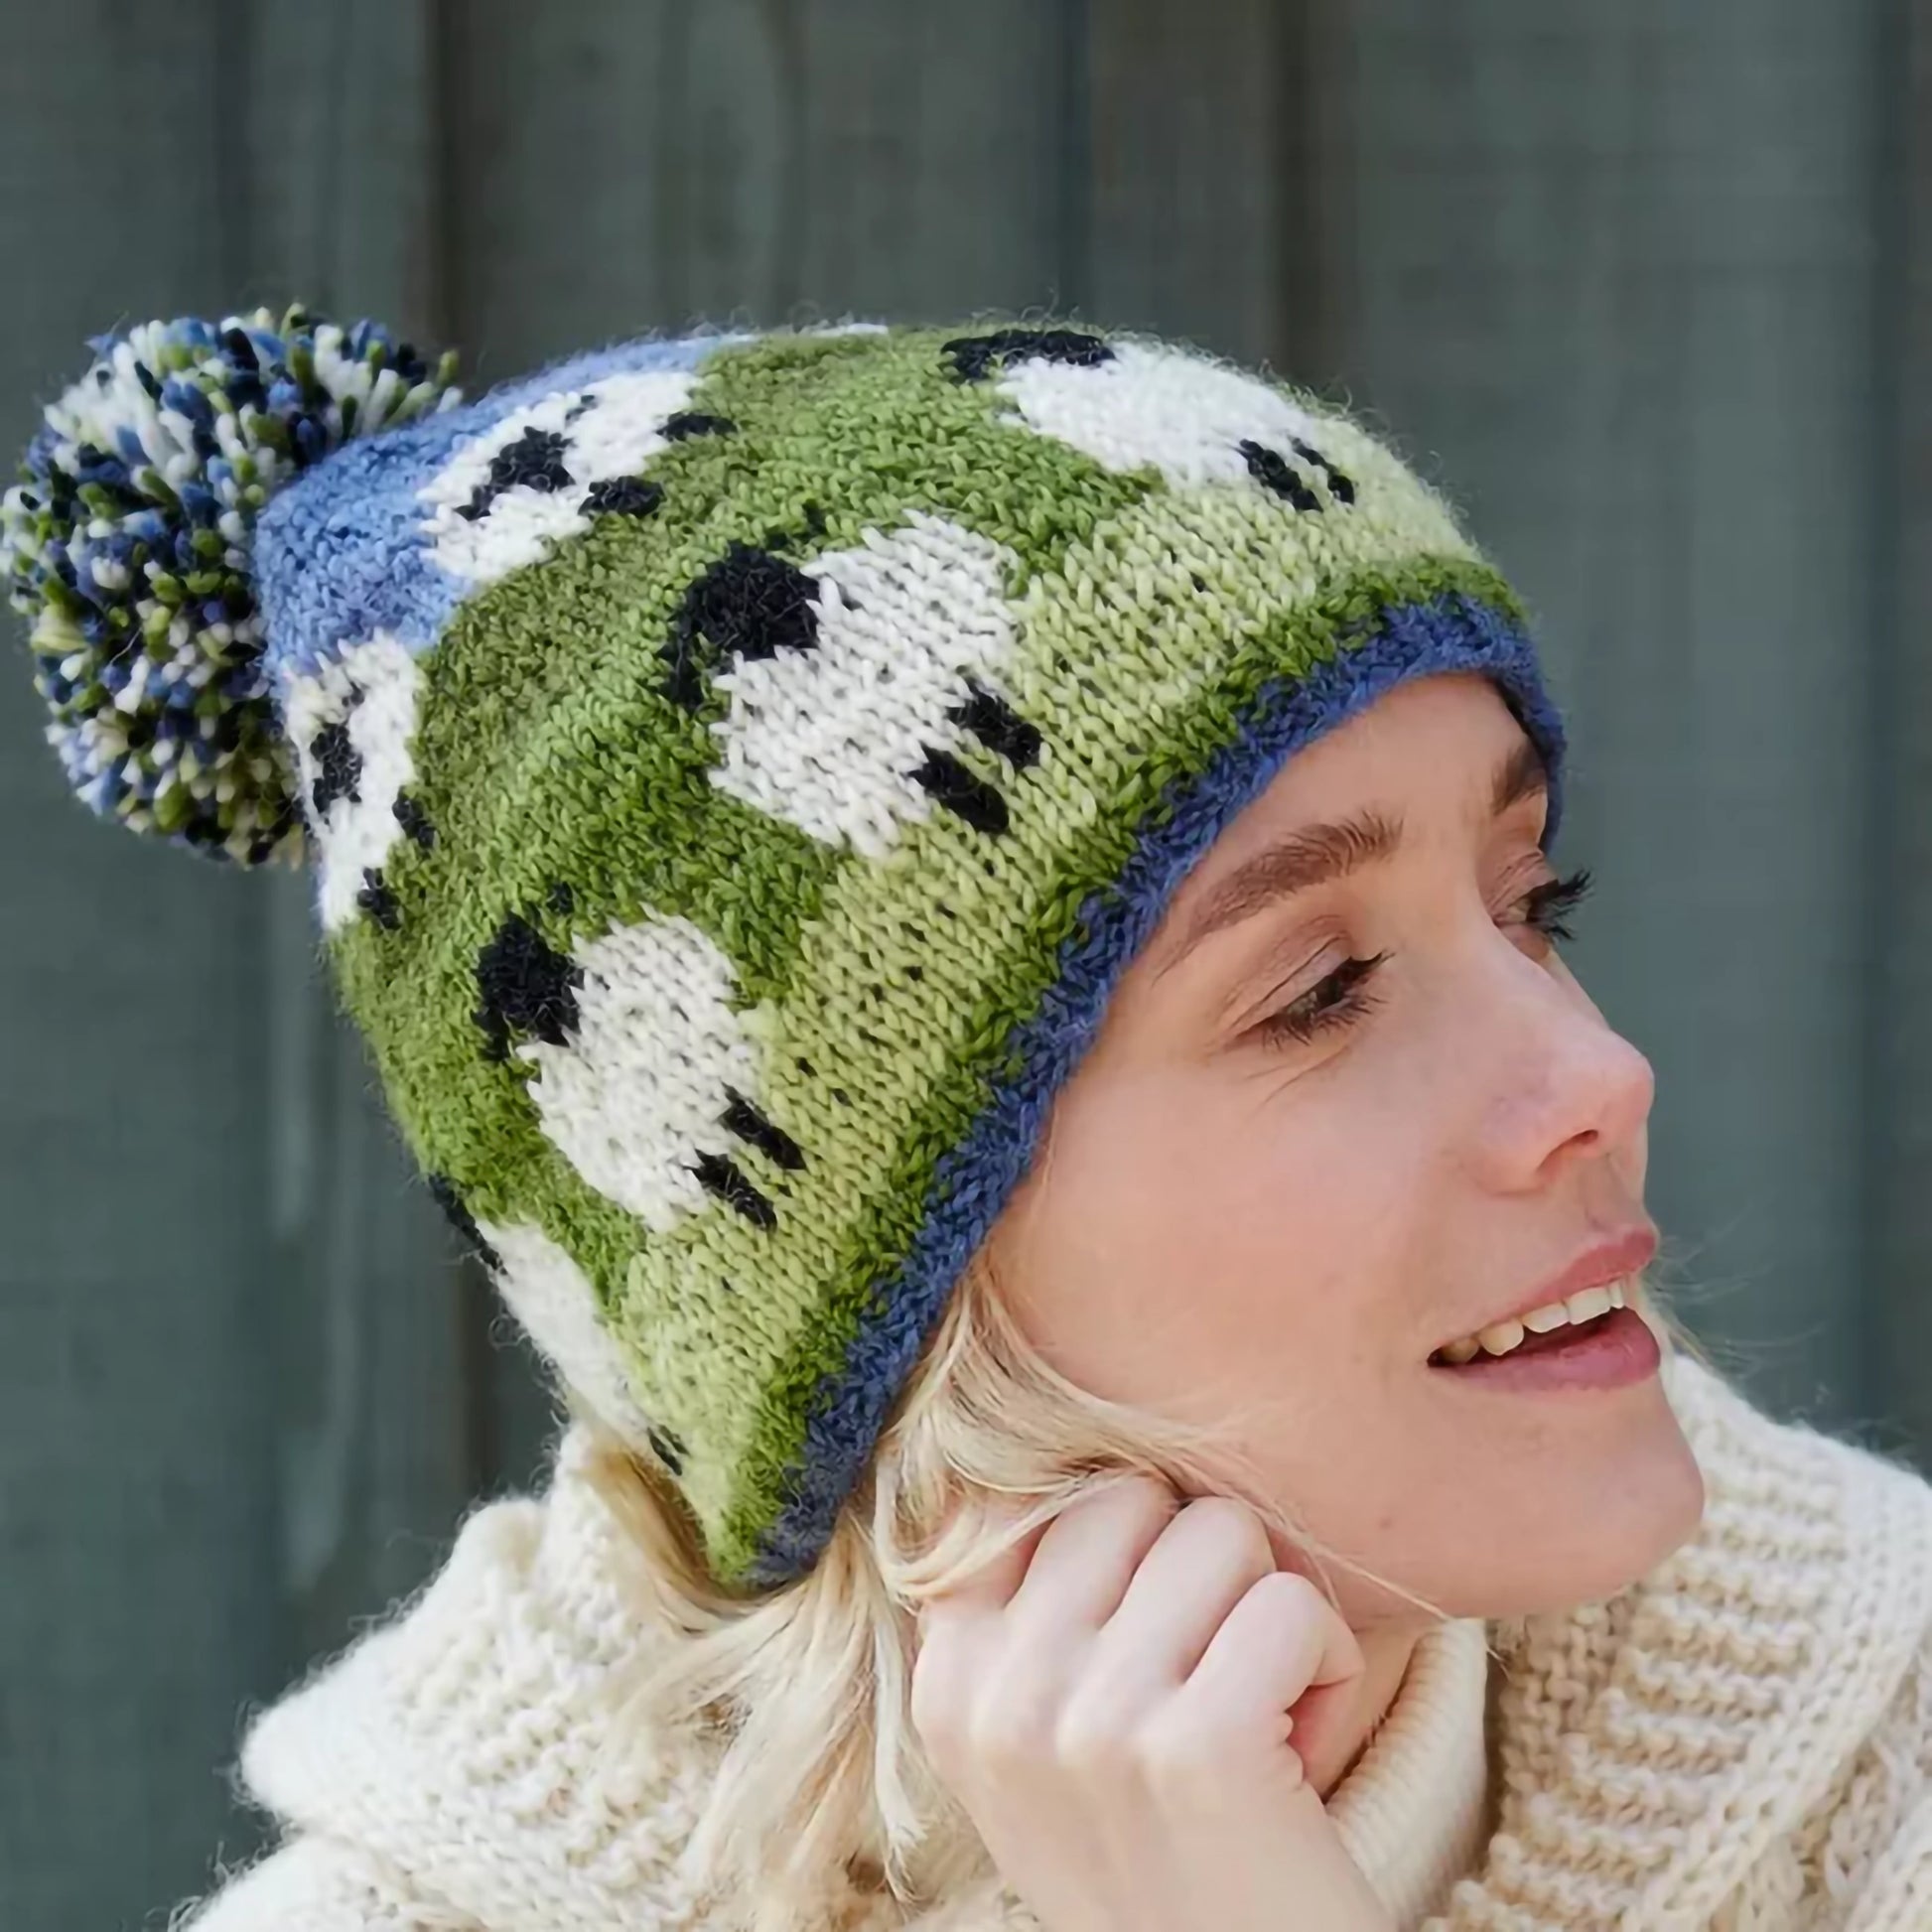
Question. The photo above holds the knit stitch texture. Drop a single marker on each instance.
(1741, 1742)
(736, 770)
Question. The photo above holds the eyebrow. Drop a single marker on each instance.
(1314, 855)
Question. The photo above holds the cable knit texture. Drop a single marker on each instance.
(1741, 1741)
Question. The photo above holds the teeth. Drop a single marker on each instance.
(1502, 1337)
(1588, 1304)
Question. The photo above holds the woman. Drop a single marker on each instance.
(964, 920)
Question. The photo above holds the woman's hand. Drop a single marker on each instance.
(1111, 1702)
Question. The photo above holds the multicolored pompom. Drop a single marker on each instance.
(129, 544)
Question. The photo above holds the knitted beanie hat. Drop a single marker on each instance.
(734, 772)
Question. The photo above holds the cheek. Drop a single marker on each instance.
(1190, 1239)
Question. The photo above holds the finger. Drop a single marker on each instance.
(1087, 1559)
(1282, 1641)
(1211, 1553)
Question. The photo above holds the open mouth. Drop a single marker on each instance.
(1597, 1340)
(1541, 1328)
(1567, 1337)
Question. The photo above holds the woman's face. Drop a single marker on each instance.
(1277, 1186)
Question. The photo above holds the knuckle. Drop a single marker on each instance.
(1175, 1754)
(1138, 1499)
(1093, 1739)
(1141, 1484)
(1014, 1728)
(1230, 1524)
(1290, 1595)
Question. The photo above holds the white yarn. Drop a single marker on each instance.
(553, 1300)
(374, 686)
(638, 1094)
(612, 428)
(826, 737)
(1182, 413)
(1741, 1742)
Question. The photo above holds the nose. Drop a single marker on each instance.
(1563, 1086)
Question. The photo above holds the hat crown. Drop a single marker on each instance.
(739, 768)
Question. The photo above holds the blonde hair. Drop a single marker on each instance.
(823, 1780)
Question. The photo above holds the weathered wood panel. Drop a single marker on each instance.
(663, 166)
(229, 1323)
(132, 1469)
(1204, 190)
(1646, 284)
(1898, 1128)
(1613, 271)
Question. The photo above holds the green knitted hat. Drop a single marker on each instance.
(734, 772)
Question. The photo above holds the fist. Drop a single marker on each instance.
(1132, 1704)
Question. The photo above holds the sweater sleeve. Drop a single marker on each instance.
(1898, 1897)
(317, 1885)
(466, 1764)
(1878, 1843)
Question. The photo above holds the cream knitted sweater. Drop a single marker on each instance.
(1742, 1741)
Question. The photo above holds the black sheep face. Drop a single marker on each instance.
(352, 723)
(1135, 405)
(545, 470)
(639, 1066)
(859, 689)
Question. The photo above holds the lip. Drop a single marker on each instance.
(1600, 1264)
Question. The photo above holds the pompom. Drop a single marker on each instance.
(129, 543)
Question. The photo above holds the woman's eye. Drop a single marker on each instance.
(1546, 908)
(1344, 996)
(1337, 1001)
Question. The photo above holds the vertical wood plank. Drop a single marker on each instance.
(234, 1419)
(135, 1332)
(936, 156)
(1204, 195)
(1612, 270)
(560, 226)
(754, 161)
(1900, 1034)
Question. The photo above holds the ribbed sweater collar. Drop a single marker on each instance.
(1413, 1810)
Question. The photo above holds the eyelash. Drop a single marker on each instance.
(1348, 996)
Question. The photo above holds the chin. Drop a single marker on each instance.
(1562, 1514)
(1595, 1517)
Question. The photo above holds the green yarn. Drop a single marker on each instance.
(1030, 941)
(573, 744)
